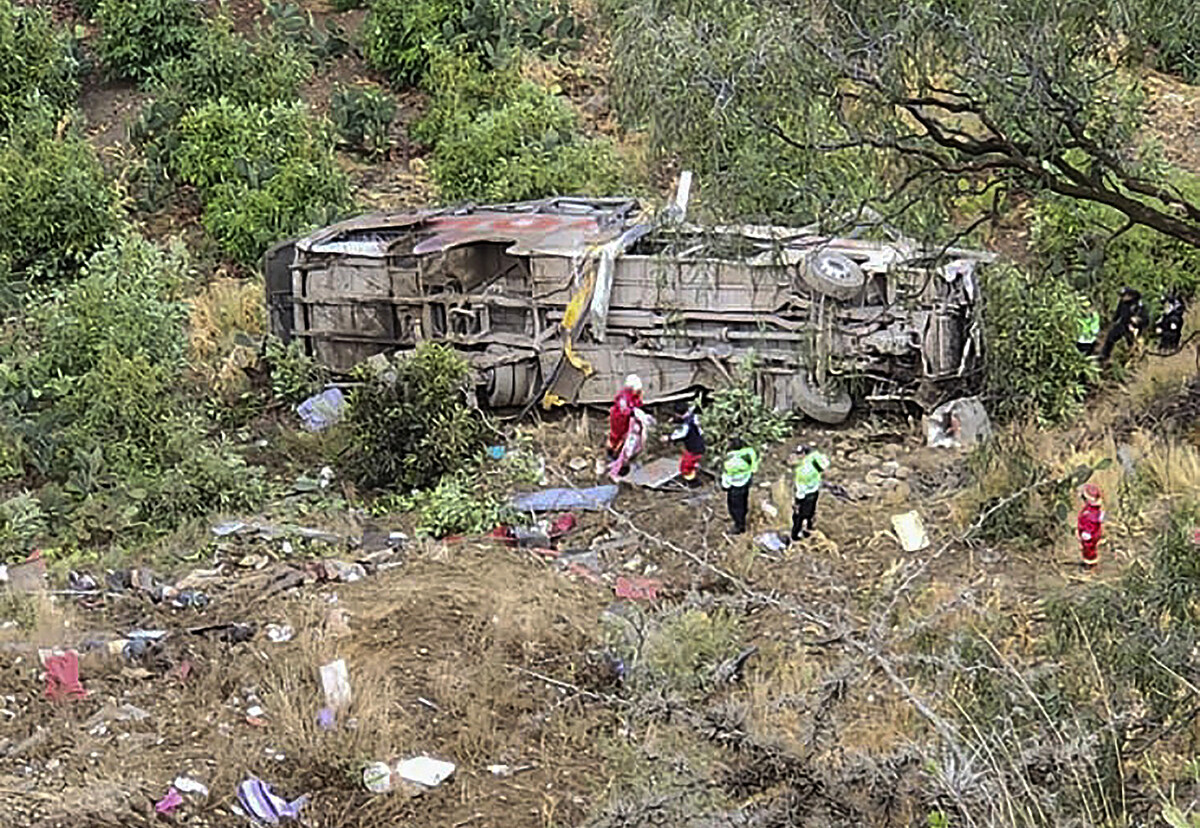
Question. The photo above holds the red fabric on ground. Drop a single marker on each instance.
(62, 677)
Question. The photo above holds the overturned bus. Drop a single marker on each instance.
(555, 301)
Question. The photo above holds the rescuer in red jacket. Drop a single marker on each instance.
(1089, 525)
(627, 399)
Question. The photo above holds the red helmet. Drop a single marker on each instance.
(1091, 491)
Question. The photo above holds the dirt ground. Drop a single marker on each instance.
(463, 650)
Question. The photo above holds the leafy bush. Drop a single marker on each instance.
(137, 36)
(99, 403)
(528, 146)
(56, 204)
(38, 67)
(1079, 242)
(460, 505)
(223, 64)
(263, 174)
(1033, 366)
(412, 424)
(246, 219)
(398, 35)
(362, 116)
(497, 30)
(739, 411)
(295, 376)
(675, 653)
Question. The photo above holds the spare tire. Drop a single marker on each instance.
(833, 274)
(830, 405)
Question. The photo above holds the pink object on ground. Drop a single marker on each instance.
(170, 802)
(62, 677)
(562, 524)
(637, 588)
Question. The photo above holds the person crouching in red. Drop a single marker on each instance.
(1088, 526)
(627, 399)
(687, 431)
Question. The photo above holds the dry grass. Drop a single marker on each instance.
(227, 319)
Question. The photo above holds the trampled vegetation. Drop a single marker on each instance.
(978, 681)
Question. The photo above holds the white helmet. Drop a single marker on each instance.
(633, 382)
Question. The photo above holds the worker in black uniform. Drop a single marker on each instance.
(1169, 327)
(1128, 322)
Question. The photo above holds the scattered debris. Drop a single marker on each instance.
(187, 785)
(497, 452)
(910, 530)
(425, 770)
(960, 423)
(326, 718)
(262, 804)
(637, 589)
(170, 802)
(577, 464)
(62, 677)
(377, 777)
(232, 632)
(772, 542)
(594, 499)
(320, 411)
(331, 569)
(280, 633)
(505, 771)
(730, 670)
(655, 474)
(335, 680)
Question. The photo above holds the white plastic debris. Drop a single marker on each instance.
(187, 785)
(377, 777)
(280, 633)
(335, 680)
(425, 770)
(910, 530)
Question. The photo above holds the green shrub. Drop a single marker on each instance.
(1079, 243)
(362, 116)
(399, 34)
(1030, 326)
(529, 146)
(675, 653)
(412, 424)
(263, 174)
(38, 67)
(737, 410)
(347, 5)
(460, 505)
(300, 195)
(295, 376)
(137, 36)
(498, 30)
(223, 64)
(56, 203)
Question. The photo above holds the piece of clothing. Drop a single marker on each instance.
(737, 498)
(740, 465)
(804, 514)
(1089, 328)
(689, 464)
(62, 677)
(688, 432)
(808, 473)
(1089, 526)
(635, 439)
(624, 404)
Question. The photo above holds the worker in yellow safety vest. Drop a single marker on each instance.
(741, 462)
(810, 466)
